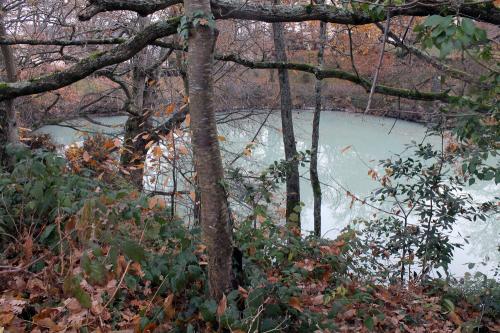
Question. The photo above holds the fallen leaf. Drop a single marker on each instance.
(243, 292)
(294, 302)
(73, 305)
(168, 306)
(317, 300)
(345, 149)
(109, 144)
(221, 308)
(349, 314)
(96, 308)
(28, 247)
(136, 269)
(86, 156)
(455, 318)
(6, 318)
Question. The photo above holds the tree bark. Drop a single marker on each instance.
(231, 9)
(313, 167)
(134, 152)
(8, 121)
(292, 174)
(216, 230)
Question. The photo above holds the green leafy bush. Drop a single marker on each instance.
(37, 191)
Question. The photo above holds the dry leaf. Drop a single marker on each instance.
(183, 150)
(6, 318)
(152, 202)
(136, 269)
(156, 201)
(170, 108)
(109, 144)
(343, 150)
(28, 247)
(455, 318)
(157, 152)
(73, 305)
(294, 302)
(187, 121)
(221, 308)
(317, 300)
(96, 308)
(168, 306)
(86, 156)
(349, 314)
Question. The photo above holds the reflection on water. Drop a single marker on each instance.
(349, 146)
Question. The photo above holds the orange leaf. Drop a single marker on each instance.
(183, 150)
(157, 151)
(168, 306)
(187, 121)
(28, 247)
(243, 292)
(156, 201)
(170, 108)
(152, 202)
(349, 314)
(86, 156)
(455, 318)
(221, 308)
(6, 318)
(294, 302)
(108, 144)
(317, 300)
(136, 269)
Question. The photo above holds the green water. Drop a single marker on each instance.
(350, 145)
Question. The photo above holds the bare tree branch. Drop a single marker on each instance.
(225, 9)
(89, 65)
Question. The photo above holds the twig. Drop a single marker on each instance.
(380, 60)
(124, 272)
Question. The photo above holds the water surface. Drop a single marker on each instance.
(350, 145)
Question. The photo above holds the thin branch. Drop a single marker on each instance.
(379, 65)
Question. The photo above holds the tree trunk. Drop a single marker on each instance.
(216, 230)
(292, 176)
(134, 151)
(8, 121)
(313, 168)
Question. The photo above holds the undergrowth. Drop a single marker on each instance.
(79, 255)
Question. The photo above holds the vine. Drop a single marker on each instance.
(199, 18)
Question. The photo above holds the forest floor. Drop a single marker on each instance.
(83, 255)
(38, 294)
